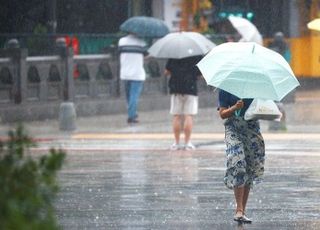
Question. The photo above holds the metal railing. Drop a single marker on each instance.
(34, 85)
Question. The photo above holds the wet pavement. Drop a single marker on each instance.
(161, 189)
(124, 177)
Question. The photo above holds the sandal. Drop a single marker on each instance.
(243, 218)
(246, 220)
(238, 218)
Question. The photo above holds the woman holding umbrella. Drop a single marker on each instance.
(243, 70)
(245, 150)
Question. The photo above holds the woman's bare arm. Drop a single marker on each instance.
(228, 112)
(167, 73)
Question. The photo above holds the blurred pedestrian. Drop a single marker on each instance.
(132, 50)
(279, 45)
(245, 150)
(184, 97)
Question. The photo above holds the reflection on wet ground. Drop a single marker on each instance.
(159, 189)
(123, 177)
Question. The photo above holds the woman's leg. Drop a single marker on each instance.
(239, 195)
(246, 192)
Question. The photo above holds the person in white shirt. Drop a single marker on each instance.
(132, 50)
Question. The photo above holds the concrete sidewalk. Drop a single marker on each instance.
(303, 116)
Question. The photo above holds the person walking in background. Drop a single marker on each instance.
(279, 45)
(245, 150)
(184, 100)
(132, 50)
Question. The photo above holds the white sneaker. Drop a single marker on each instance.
(190, 146)
(174, 146)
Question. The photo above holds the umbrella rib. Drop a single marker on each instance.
(253, 48)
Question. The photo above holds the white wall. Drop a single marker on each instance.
(172, 11)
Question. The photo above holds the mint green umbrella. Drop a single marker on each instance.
(248, 70)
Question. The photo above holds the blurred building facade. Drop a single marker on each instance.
(288, 16)
(102, 18)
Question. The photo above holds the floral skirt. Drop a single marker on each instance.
(245, 152)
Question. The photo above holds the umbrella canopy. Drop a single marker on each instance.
(181, 45)
(246, 29)
(248, 70)
(144, 26)
(314, 24)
